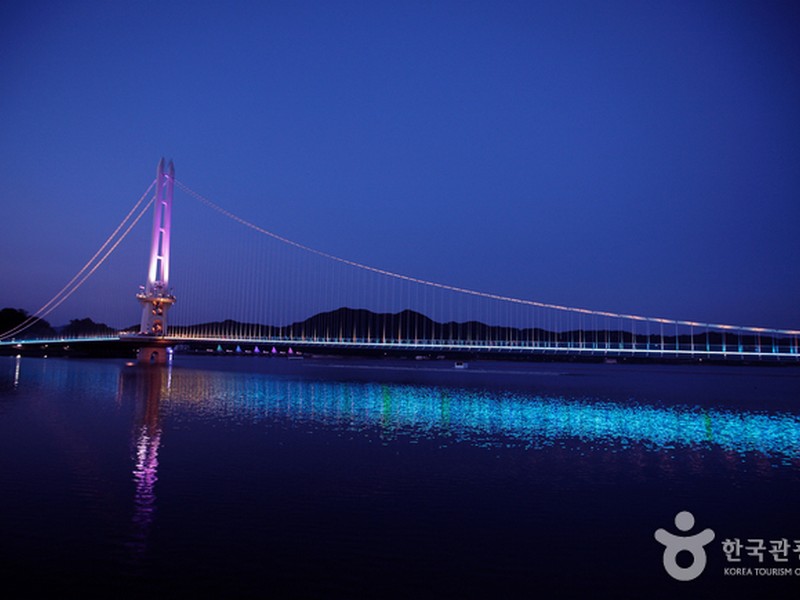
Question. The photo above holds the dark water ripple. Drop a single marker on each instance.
(260, 478)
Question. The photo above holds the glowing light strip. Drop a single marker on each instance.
(467, 291)
(60, 341)
(63, 294)
(564, 348)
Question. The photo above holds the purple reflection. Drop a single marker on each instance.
(147, 439)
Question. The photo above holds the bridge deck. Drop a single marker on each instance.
(564, 350)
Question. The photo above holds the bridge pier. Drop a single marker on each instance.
(153, 355)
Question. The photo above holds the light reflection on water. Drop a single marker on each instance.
(149, 475)
(149, 386)
(481, 417)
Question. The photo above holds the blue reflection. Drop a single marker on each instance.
(480, 417)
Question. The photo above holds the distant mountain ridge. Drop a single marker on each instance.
(362, 325)
(358, 324)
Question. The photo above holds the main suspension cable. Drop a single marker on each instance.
(88, 268)
(461, 290)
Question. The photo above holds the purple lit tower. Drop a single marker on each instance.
(156, 298)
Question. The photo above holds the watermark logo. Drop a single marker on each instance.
(693, 544)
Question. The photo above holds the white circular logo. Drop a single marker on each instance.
(694, 544)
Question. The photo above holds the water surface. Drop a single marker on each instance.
(268, 477)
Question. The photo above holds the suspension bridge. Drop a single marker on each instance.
(271, 294)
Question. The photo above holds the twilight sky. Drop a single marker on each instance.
(639, 157)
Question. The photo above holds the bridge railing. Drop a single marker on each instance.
(785, 348)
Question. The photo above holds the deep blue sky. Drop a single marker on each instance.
(629, 156)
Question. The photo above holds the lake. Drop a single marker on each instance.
(245, 476)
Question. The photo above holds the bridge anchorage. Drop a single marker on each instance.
(155, 296)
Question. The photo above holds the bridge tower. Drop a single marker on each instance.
(156, 298)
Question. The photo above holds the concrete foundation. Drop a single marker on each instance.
(153, 355)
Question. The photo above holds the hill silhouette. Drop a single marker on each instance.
(350, 324)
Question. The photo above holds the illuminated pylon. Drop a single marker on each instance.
(156, 298)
